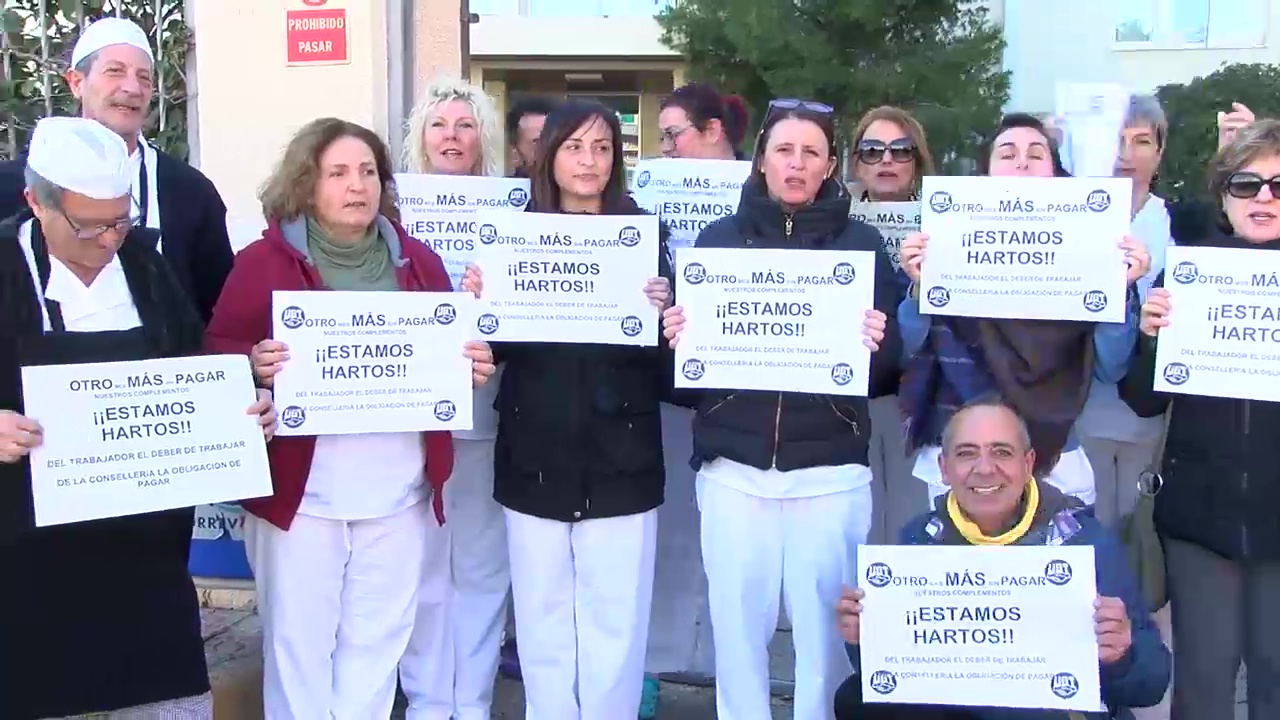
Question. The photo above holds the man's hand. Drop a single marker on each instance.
(19, 434)
(1111, 624)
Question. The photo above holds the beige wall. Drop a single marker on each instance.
(251, 102)
(437, 36)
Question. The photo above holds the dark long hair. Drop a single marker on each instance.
(1020, 120)
(561, 125)
(702, 103)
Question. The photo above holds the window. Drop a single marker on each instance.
(1192, 23)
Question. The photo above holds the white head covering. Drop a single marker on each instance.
(107, 32)
(81, 156)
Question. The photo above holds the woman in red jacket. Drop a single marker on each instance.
(337, 549)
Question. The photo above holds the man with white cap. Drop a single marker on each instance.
(112, 75)
(99, 617)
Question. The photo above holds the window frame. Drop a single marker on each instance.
(1165, 38)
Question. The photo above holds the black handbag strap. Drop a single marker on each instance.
(1152, 479)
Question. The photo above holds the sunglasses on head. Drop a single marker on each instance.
(1245, 185)
(795, 104)
(871, 152)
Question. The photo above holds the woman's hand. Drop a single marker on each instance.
(1155, 312)
(267, 359)
(265, 409)
(672, 324)
(473, 280)
(849, 614)
(1230, 123)
(1112, 626)
(873, 329)
(481, 356)
(658, 290)
(911, 254)
(1136, 258)
(19, 435)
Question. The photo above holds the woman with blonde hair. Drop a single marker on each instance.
(335, 547)
(889, 158)
(449, 667)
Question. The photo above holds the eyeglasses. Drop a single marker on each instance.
(668, 135)
(92, 232)
(796, 104)
(1246, 185)
(871, 152)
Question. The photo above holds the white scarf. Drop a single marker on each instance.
(152, 201)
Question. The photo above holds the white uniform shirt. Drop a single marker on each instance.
(105, 304)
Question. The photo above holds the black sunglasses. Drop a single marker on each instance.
(1245, 185)
(871, 152)
(795, 104)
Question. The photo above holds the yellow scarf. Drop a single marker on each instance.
(973, 534)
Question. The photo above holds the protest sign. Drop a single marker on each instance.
(126, 438)
(552, 277)
(979, 626)
(1091, 116)
(1025, 247)
(440, 211)
(781, 320)
(373, 362)
(689, 194)
(1223, 338)
(894, 220)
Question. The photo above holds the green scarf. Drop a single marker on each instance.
(365, 265)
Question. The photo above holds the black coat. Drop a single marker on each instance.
(1221, 464)
(793, 431)
(193, 225)
(579, 430)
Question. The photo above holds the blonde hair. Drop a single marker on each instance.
(439, 92)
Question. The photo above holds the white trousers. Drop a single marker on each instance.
(449, 668)
(582, 592)
(680, 621)
(336, 600)
(754, 547)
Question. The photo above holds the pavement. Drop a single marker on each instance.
(233, 644)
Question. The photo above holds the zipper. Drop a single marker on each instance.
(726, 399)
(1244, 479)
(788, 226)
(853, 423)
(777, 423)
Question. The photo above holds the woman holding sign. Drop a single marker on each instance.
(1216, 507)
(784, 482)
(452, 657)
(1044, 368)
(578, 462)
(337, 549)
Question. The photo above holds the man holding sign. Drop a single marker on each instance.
(83, 284)
(933, 641)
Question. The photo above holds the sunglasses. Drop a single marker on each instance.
(794, 104)
(1245, 185)
(871, 152)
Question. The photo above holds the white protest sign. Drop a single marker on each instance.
(784, 320)
(126, 438)
(1025, 247)
(1008, 626)
(440, 211)
(1223, 338)
(894, 220)
(373, 362)
(689, 194)
(1091, 116)
(573, 278)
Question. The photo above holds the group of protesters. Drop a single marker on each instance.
(417, 560)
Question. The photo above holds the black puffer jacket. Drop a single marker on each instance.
(793, 431)
(1221, 465)
(579, 430)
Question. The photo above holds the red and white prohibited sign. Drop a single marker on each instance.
(317, 37)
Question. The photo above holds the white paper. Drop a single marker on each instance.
(784, 320)
(1023, 247)
(373, 362)
(552, 277)
(127, 438)
(1223, 338)
(1091, 116)
(1004, 626)
(440, 211)
(894, 220)
(689, 194)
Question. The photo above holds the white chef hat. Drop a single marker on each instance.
(107, 32)
(81, 156)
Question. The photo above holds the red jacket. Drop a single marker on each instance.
(242, 318)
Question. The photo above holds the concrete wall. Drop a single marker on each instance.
(614, 37)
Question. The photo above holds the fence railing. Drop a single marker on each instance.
(36, 38)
